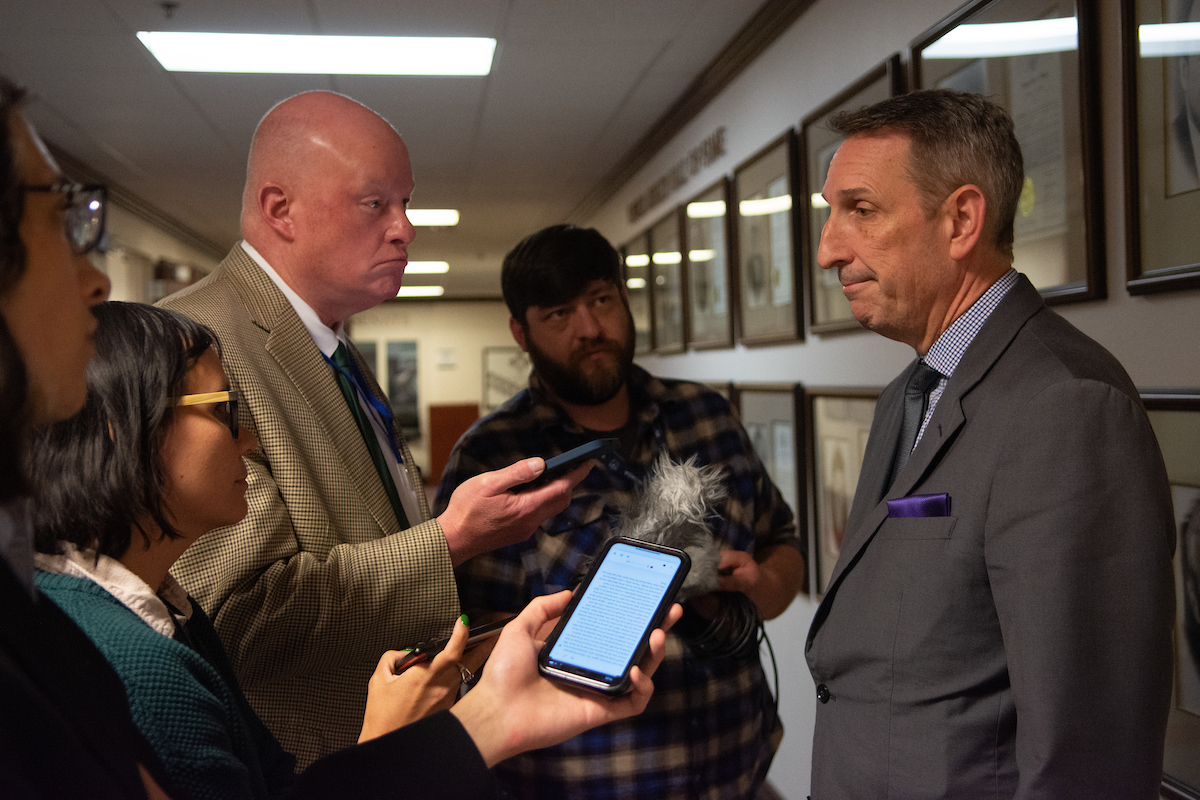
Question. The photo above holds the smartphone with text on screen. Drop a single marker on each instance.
(606, 628)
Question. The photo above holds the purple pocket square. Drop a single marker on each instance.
(920, 505)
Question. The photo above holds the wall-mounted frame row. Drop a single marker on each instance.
(811, 442)
(740, 261)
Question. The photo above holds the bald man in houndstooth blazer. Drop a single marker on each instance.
(323, 575)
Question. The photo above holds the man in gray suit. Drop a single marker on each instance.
(999, 621)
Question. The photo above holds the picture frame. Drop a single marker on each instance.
(1161, 94)
(708, 254)
(402, 387)
(635, 260)
(505, 372)
(668, 292)
(773, 416)
(837, 423)
(828, 308)
(1175, 417)
(769, 296)
(1045, 72)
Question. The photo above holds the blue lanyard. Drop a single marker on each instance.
(378, 406)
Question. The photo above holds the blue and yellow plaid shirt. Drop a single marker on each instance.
(710, 730)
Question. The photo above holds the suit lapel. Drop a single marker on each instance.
(870, 507)
(293, 348)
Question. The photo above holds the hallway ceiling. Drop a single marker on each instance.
(575, 84)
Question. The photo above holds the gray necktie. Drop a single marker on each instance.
(916, 397)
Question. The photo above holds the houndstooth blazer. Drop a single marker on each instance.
(315, 583)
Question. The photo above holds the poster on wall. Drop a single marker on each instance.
(1039, 60)
(666, 284)
(402, 387)
(706, 245)
(636, 258)
(505, 372)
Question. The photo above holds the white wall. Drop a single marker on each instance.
(450, 339)
(133, 247)
(835, 41)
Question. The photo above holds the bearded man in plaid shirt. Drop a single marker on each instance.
(711, 729)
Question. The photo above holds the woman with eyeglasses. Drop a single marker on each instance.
(151, 464)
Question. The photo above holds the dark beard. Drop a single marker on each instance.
(573, 385)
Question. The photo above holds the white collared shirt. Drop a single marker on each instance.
(327, 340)
(115, 578)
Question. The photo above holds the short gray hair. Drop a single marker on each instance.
(955, 139)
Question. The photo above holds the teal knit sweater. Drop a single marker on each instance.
(183, 696)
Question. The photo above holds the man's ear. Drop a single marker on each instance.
(518, 333)
(966, 211)
(275, 210)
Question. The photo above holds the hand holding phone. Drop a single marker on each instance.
(605, 629)
(427, 650)
(563, 463)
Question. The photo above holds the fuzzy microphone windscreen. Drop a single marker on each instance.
(672, 508)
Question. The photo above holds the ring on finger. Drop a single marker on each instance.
(467, 675)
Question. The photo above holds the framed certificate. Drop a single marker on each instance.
(636, 258)
(707, 249)
(1038, 59)
(838, 422)
(829, 310)
(667, 290)
(769, 308)
(1162, 143)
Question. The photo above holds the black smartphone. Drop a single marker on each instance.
(478, 633)
(565, 462)
(606, 628)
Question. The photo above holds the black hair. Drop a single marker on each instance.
(955, 138)
(554, 266)
(99, 473)
(14, 386)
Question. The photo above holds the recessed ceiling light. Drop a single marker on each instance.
(426, 268)
(768, 205)
(636, 283)
(181, 51)
(706, 208)
(667, 258)
(433, 216)
(421, 291)
(637, 260)
(993, 39)
(1169, 39)
(701, 255)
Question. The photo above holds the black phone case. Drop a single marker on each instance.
(623, 684)
(561, 464)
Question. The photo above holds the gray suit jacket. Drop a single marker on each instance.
(311, 588)
(1020, 647)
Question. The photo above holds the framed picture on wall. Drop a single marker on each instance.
(707, 248)
(636, 256)
(837, 422)
(505, 372)
(1175, 418)
(1162, 143)
(773, 416)
(667, 291)
(402, 387)
(829, 310)
(1040, 60)
(768, 294)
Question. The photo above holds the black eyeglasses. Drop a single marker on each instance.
(85, 212)
(225, 409)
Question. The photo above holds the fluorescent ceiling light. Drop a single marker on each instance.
(1169, 39)
(771, 205)
(995, 39)
(668, 258)
(180, 51)
(444, 217)
(637, 261)
(701, 255)
(708, 208)
(420, 291)
(818, 201)
(636, 283)
(426, 268)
